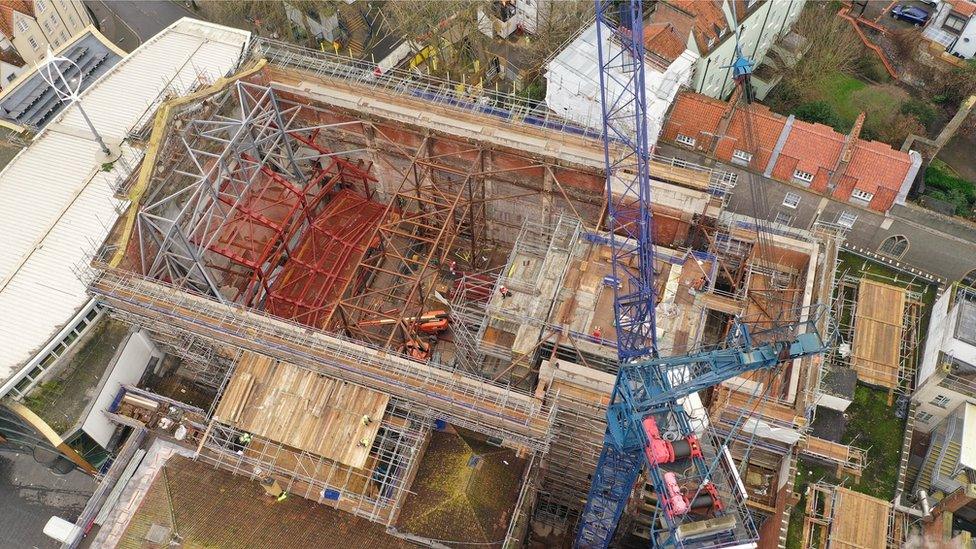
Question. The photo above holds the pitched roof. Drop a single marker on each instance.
(7, 9)
(662, 40)
(964, 7)
(815, 146)
(876, 165)
(695, 115)
(710, 21)
(11, 57)
(754, 129)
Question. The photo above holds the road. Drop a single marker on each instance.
(129, 23)
(938, 245)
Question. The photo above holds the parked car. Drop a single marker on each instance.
(913, 14)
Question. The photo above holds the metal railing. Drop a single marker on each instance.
(508, 107)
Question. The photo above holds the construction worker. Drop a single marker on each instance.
(242, 442)
(598, 333)
(282, 496)
(505, 292)
(366, 420)
(363, 442)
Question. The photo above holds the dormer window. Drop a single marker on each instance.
(742, 156)
(803, 176)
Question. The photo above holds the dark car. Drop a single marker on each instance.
(913, 14)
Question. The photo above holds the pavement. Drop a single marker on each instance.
(129, 23)
(31, 493)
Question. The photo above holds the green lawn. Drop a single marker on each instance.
(874, 427)
(805, 474)
(838, 89)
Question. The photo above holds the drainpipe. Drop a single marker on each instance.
(702, 85)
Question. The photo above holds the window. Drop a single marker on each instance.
(970, 279)
(894, 246)
(33, 43)
(10, 77)
(41, 6)
(791, 200)
(71, 19)
(47, 26)
(954, 23)
(940, 400)
(64, 37)
(685, 140)
(784, 218)
(803, 176)
(22, 25)
(861, 195)
(846, 219)
(924, 417)
(742, 155)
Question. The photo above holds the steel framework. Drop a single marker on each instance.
(243, 186)
(433, 207)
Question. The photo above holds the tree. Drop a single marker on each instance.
(818, 112)
(832, 47)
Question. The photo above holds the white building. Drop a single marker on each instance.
(947, 375)
(57, 201)
(709, 26)
(573, 76)
(953, 25)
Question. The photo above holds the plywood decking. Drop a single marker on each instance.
(838, 518)
(878, 330)
(859, 521)
(302, 409)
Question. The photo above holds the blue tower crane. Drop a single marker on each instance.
(646, 397)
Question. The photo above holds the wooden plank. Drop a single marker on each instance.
(878, 330)
(859, 521)
(302, 409)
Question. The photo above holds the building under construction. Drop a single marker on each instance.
(362, 271)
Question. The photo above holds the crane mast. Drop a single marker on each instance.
(700, 501)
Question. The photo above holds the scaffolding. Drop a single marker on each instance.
(493, 409)
(373, 492)
(241, 185)
(845, 303)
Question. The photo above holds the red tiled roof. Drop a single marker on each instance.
(815, 146)
(11, 57)
(815, 149)
(754, 129)
(876, 165)
(965, 7)
(662, 39)
(694, 115)
(7, 7)
(710, 21)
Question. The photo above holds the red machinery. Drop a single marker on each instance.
(661, 451)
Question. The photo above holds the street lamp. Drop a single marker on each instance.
(68, 89)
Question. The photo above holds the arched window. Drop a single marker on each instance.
(894, 246)
(970, 279)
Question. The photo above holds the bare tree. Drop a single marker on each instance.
(833, 47)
